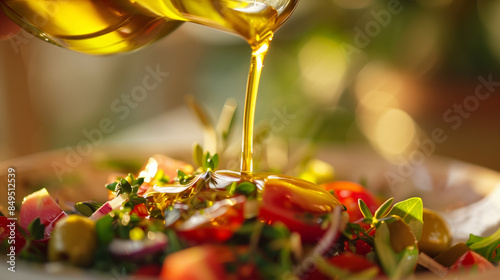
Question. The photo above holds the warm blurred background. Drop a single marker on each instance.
(392, 74)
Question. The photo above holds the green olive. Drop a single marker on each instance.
(436, 235)
(73, 239)
(401, 235)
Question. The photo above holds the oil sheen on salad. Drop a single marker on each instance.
(174, 220)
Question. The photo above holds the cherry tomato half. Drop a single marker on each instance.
(298, 204)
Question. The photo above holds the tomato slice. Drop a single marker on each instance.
(348, 193)
(40, 205)
(298, 204)
(141, 210)
(471, 260)
(205, 262)
(349, 262)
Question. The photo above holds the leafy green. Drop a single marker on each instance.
(183, 177)
(160, 178)
(87, 208)
(112, 186)
(197, 154)
(36, 229)
(204, 160)
(411, 211)
(103, 227)
(383, 210)
(355, 229)
(134, 200)
(247, 189)
(210, 162)
(365, 210)
(126, 185)
(487, 247)
(174, 243)
(395, 265)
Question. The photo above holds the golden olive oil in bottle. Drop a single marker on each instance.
(114, 26)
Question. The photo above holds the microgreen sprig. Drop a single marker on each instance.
(204, 160)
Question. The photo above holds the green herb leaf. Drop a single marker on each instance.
(87, 208)
(384, 208)
(197, 154)
(231, 189)
(112, 186)
(174, 244)
(205, 162)
(364, 209)
(103, 228)
(214, 161)
(183, 177)
(247, 189)
(123, 187)
(386, 255)
(486, 246)
(160, 178)
(411, 211)
(395, 265)
(36, 229)
(408, 259)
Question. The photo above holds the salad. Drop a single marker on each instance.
(174, 220)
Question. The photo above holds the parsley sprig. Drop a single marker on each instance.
(128, 188)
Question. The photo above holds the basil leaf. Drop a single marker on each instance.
(411, 211)
(486, 246)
